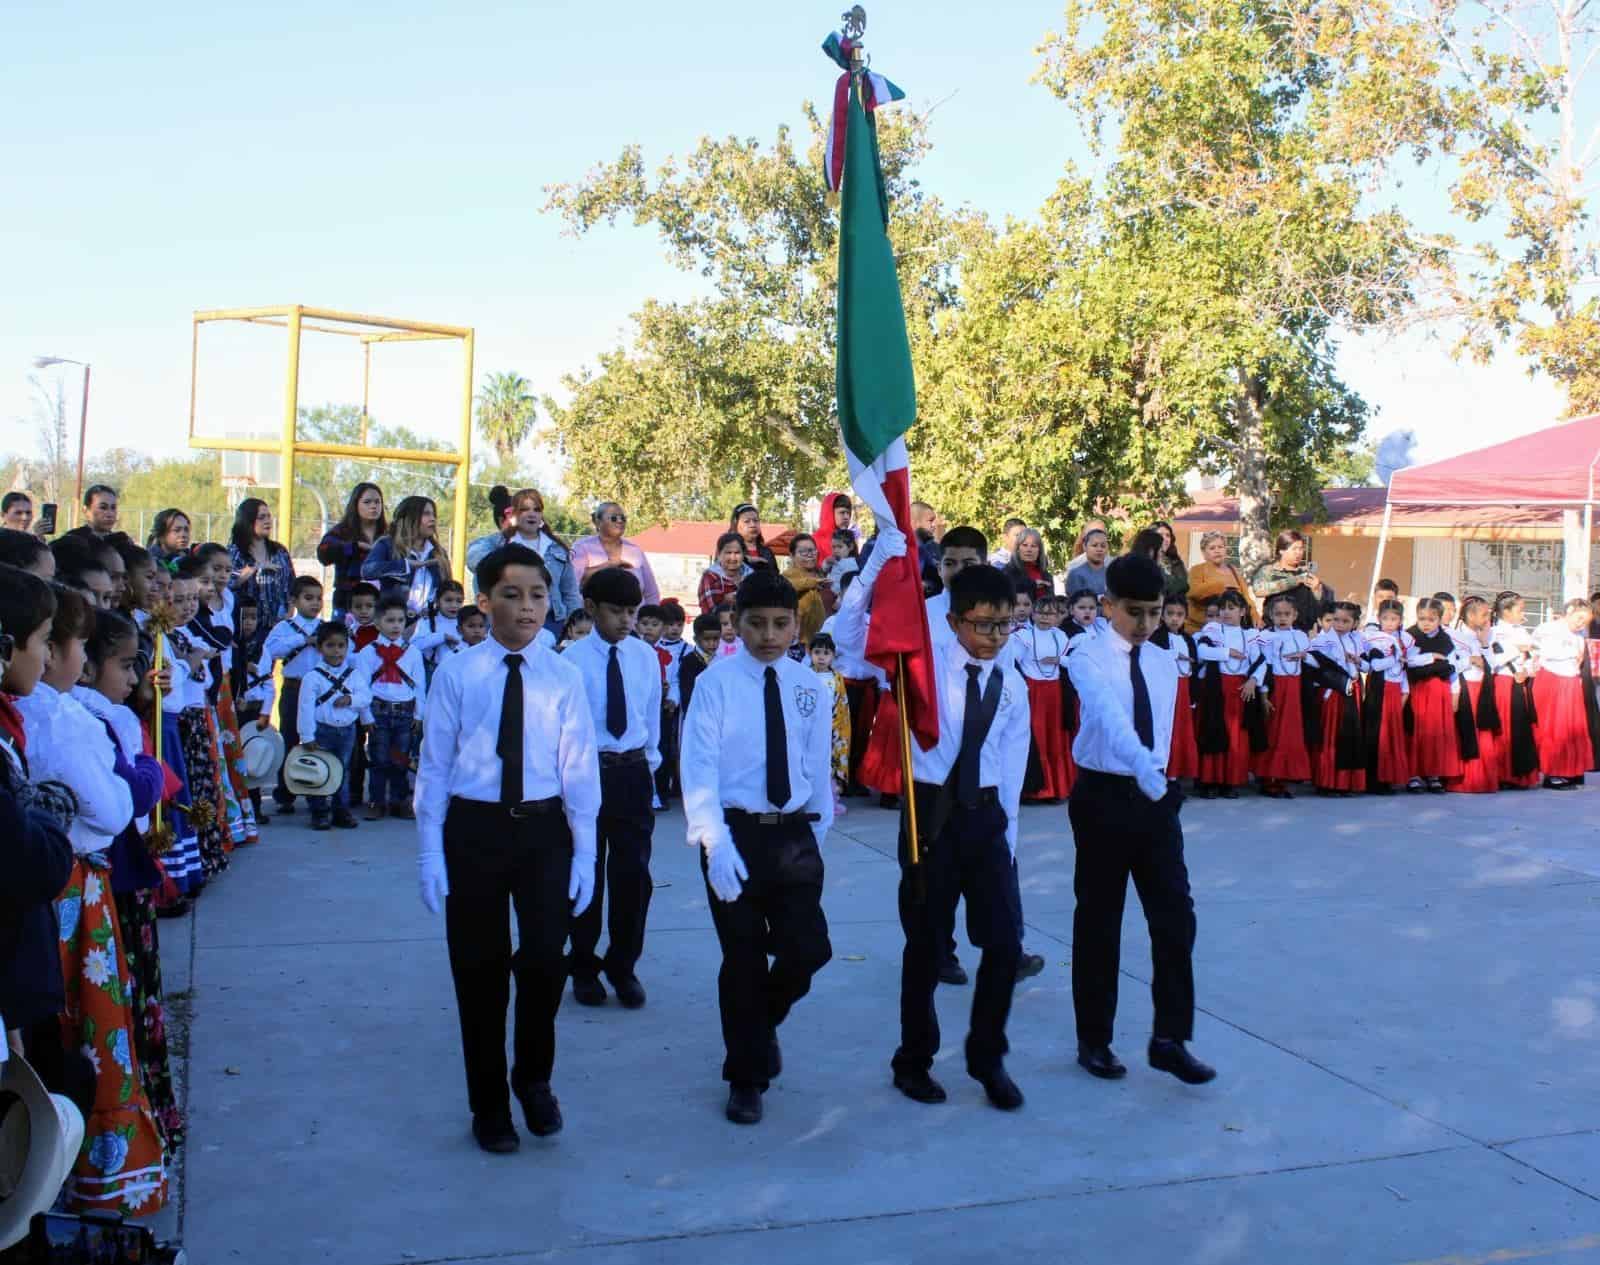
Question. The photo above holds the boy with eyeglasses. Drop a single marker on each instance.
(968, 791)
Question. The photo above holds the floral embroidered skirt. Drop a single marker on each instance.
(241, 815)
(120, 1167)
(207, 813)
(141, 946)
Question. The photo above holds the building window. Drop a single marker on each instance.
(1532, 569)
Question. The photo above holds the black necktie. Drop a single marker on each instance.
(509, 745)
(969, 763)
(616, 699)
(1143, 720)
(777, 744)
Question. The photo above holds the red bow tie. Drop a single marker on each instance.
(389, 673)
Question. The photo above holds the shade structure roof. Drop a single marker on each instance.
(1554, 467)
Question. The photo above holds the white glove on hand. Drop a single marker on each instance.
(431, 880)
(580, 890)
(725, 870)
(891, 543)
(1153, 785)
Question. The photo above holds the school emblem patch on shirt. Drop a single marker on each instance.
(805, 700)
(1005, 699)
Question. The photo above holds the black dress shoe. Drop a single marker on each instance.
(540, 1110)
(630, 992)
(774, 1058)
(587, 990)
(1098, 1060)
(1001, 1089)
(1174, 1057)
(1029, 965)
(495, 1133)
(744, 1104)
(951, 972)
(919, 1087)
(1230, 792)
(345, 821)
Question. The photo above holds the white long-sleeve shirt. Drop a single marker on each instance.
(1511, 648)
(314, 709)
(460, 755)
(675, 653)
(436, 636)
(290, 640)
(1040, 652)
(1560, 650)
(1102, 672)
(66, 744)
(1469, 647)
(410, 663)
(641, 692)
(1343, 650)
(1396, 652)
(188, 688)
(1274, 645)
(1003, 761)
(722, 762)
(1215, 643)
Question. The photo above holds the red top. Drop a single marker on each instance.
(715, 589)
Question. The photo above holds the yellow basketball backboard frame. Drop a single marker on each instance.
(298, 318)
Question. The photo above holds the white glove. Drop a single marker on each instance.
(1153, 785)
(891, 543)
(725, 870)
(580, 889)
(431, 879)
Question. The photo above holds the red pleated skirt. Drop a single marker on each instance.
(1286, 758)
(1394, 752)
(1563, 731)
(1435, 749)
(1051, 740)
(880, 766)
(1184, 758)
(1482, 775)
(1502, 699)
(1325, 770)
(1231, 768)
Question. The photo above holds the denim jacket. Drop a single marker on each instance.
(564, 598)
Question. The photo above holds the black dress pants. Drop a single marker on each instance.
(1119, 834)
(968, 857)
(490, 858)
(778, 914)
(622, 863)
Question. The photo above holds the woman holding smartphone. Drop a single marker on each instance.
(260, 567)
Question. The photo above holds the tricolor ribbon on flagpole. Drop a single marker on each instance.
(875, 91)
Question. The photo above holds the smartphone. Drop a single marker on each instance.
(47, 518)
(91, 1238)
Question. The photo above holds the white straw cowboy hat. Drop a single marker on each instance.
(312, 772)
(40, 1136)
(263, 757)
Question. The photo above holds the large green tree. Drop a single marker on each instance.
(1238, 220)
(730, 395)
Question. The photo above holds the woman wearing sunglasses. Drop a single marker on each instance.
(609, 548)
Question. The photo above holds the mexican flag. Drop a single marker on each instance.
(877, 403)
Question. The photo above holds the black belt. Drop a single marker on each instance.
(619, 759)
(517, 812)
(738, 816)
(986, 794)
(1123, 782)
(383, 704)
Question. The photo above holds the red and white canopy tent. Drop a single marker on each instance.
(1554, 469)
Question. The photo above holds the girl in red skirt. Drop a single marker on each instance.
(1340, 767)
(1383, 708)
(861, 683)
(1041, 652)
(1184, 758)
(1288, 754)
(1480, 760)
(1227, 681)
(1432, 667)
(1511, 659)
(1563, 695)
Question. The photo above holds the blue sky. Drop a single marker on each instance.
(392, 159)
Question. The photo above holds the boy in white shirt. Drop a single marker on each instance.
(293, 640)
(398, 681)
(333, 696)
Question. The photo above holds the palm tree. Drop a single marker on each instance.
(505, 413)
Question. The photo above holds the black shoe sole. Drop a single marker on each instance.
(1101, 1072)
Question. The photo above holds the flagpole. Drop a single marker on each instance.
(913, 848)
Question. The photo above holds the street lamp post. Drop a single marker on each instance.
(44, 362)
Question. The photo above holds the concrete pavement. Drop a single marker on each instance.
(1402, 997)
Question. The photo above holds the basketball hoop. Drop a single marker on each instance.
(237, 486)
